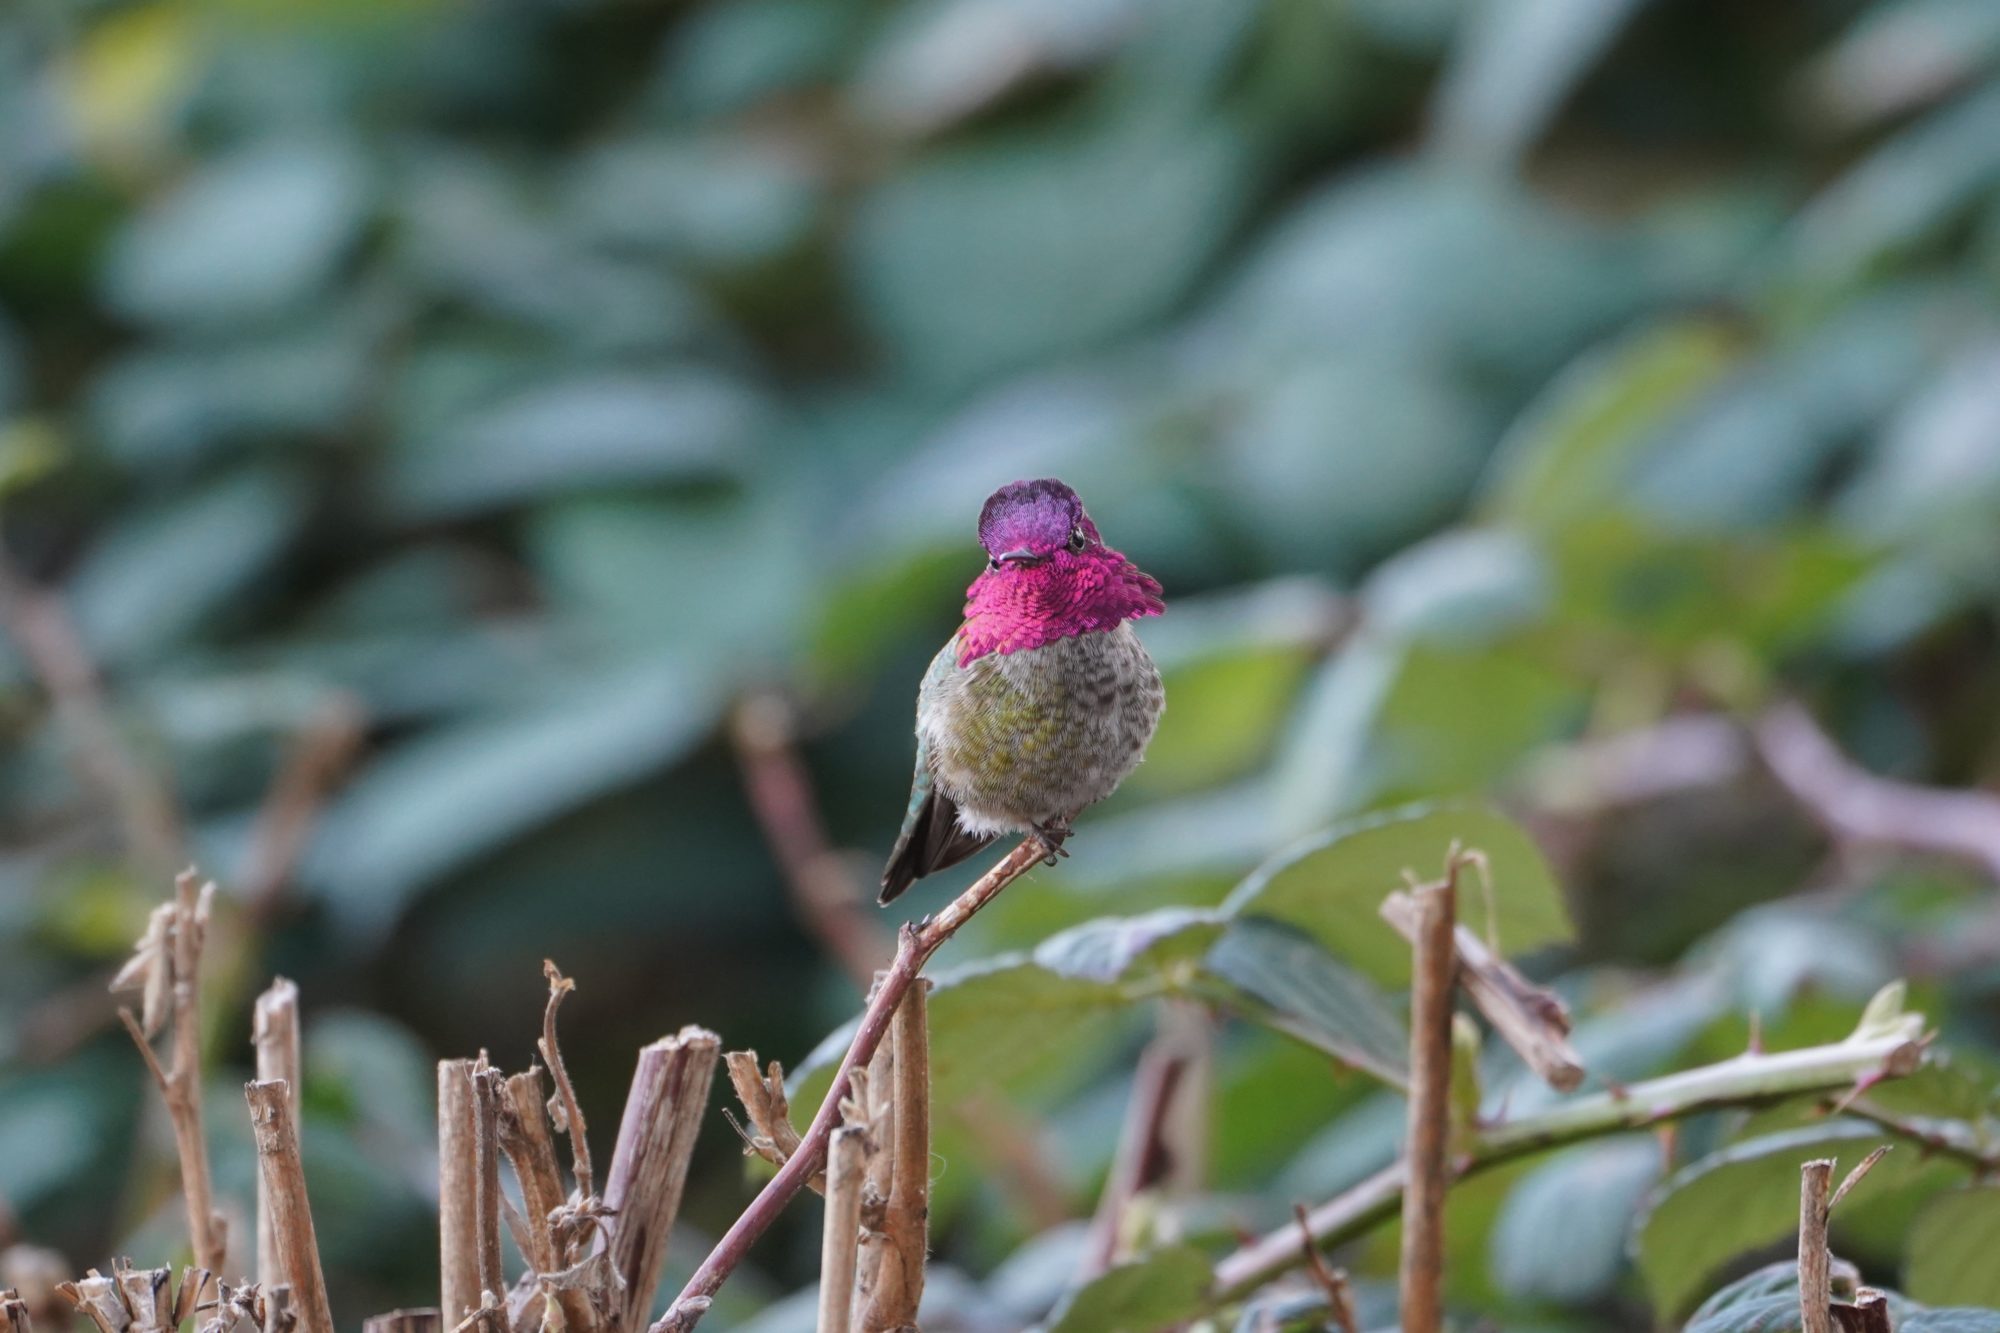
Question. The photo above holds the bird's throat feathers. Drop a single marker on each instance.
(1009, 610)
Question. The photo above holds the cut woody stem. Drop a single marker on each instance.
(914, 947)
(1818, 1311)
(275, 1035)
(1434, 967)
(284, 1181)
(458, 1193)
(898, 1285)
(847, 1170)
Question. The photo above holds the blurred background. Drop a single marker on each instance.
(424, 425)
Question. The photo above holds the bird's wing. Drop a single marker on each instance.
(931, 838)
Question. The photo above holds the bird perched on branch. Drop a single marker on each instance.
(1045, 698)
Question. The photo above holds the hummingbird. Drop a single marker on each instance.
(1043, 700)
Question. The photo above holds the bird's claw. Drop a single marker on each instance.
(1052, 835)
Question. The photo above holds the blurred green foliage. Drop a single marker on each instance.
(531, 379)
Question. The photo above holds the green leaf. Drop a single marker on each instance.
(246, 235)
(1136, 949)
(1745, 1196)
(992, 256)
(642, 572)
(1324, 769)
(1295, 987)
(1332, 885)
(437, 802)
(1513, 66)
(1318, 496)
(721, 201)
(612, 429)
(1571, 452)
(165, 569)
(1560, 1237)
(1952, 1249)
(1159, 1291)
(1952, 1321)
(1902, 194)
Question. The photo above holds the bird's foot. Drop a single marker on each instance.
(1053, 833)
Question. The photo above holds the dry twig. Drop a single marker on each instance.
(284, 1179)
(1528, 1017)
(312, 765)
(1855, 806)
(166, 968)
(915, 945)
(563, 1108)
(48, 638)
(1332, 1282)
(1149, 1149)
(769, 1110)
(829, 902)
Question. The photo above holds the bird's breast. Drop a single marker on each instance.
(1019, 738)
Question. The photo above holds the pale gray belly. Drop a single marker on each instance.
(1037, 735)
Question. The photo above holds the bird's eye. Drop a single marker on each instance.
(993, 562)
(1076, 539)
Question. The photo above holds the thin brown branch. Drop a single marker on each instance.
(312, 765)
(274, 1032)
(899, 1279)
(847, 1172)
(1332, 1282)
(829, 901)
(1856, 1176)
(1433, 968)
(915, 945)
(564, 1108)
(166, 967)
(143, 805)
(656, 1139)
(284, 1180)
(458, 1192)
(1006, 1140)
(1528, 1017)
(1145, 1149)
(1946, 1138)
(1815, 1260)
(1855, 806)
